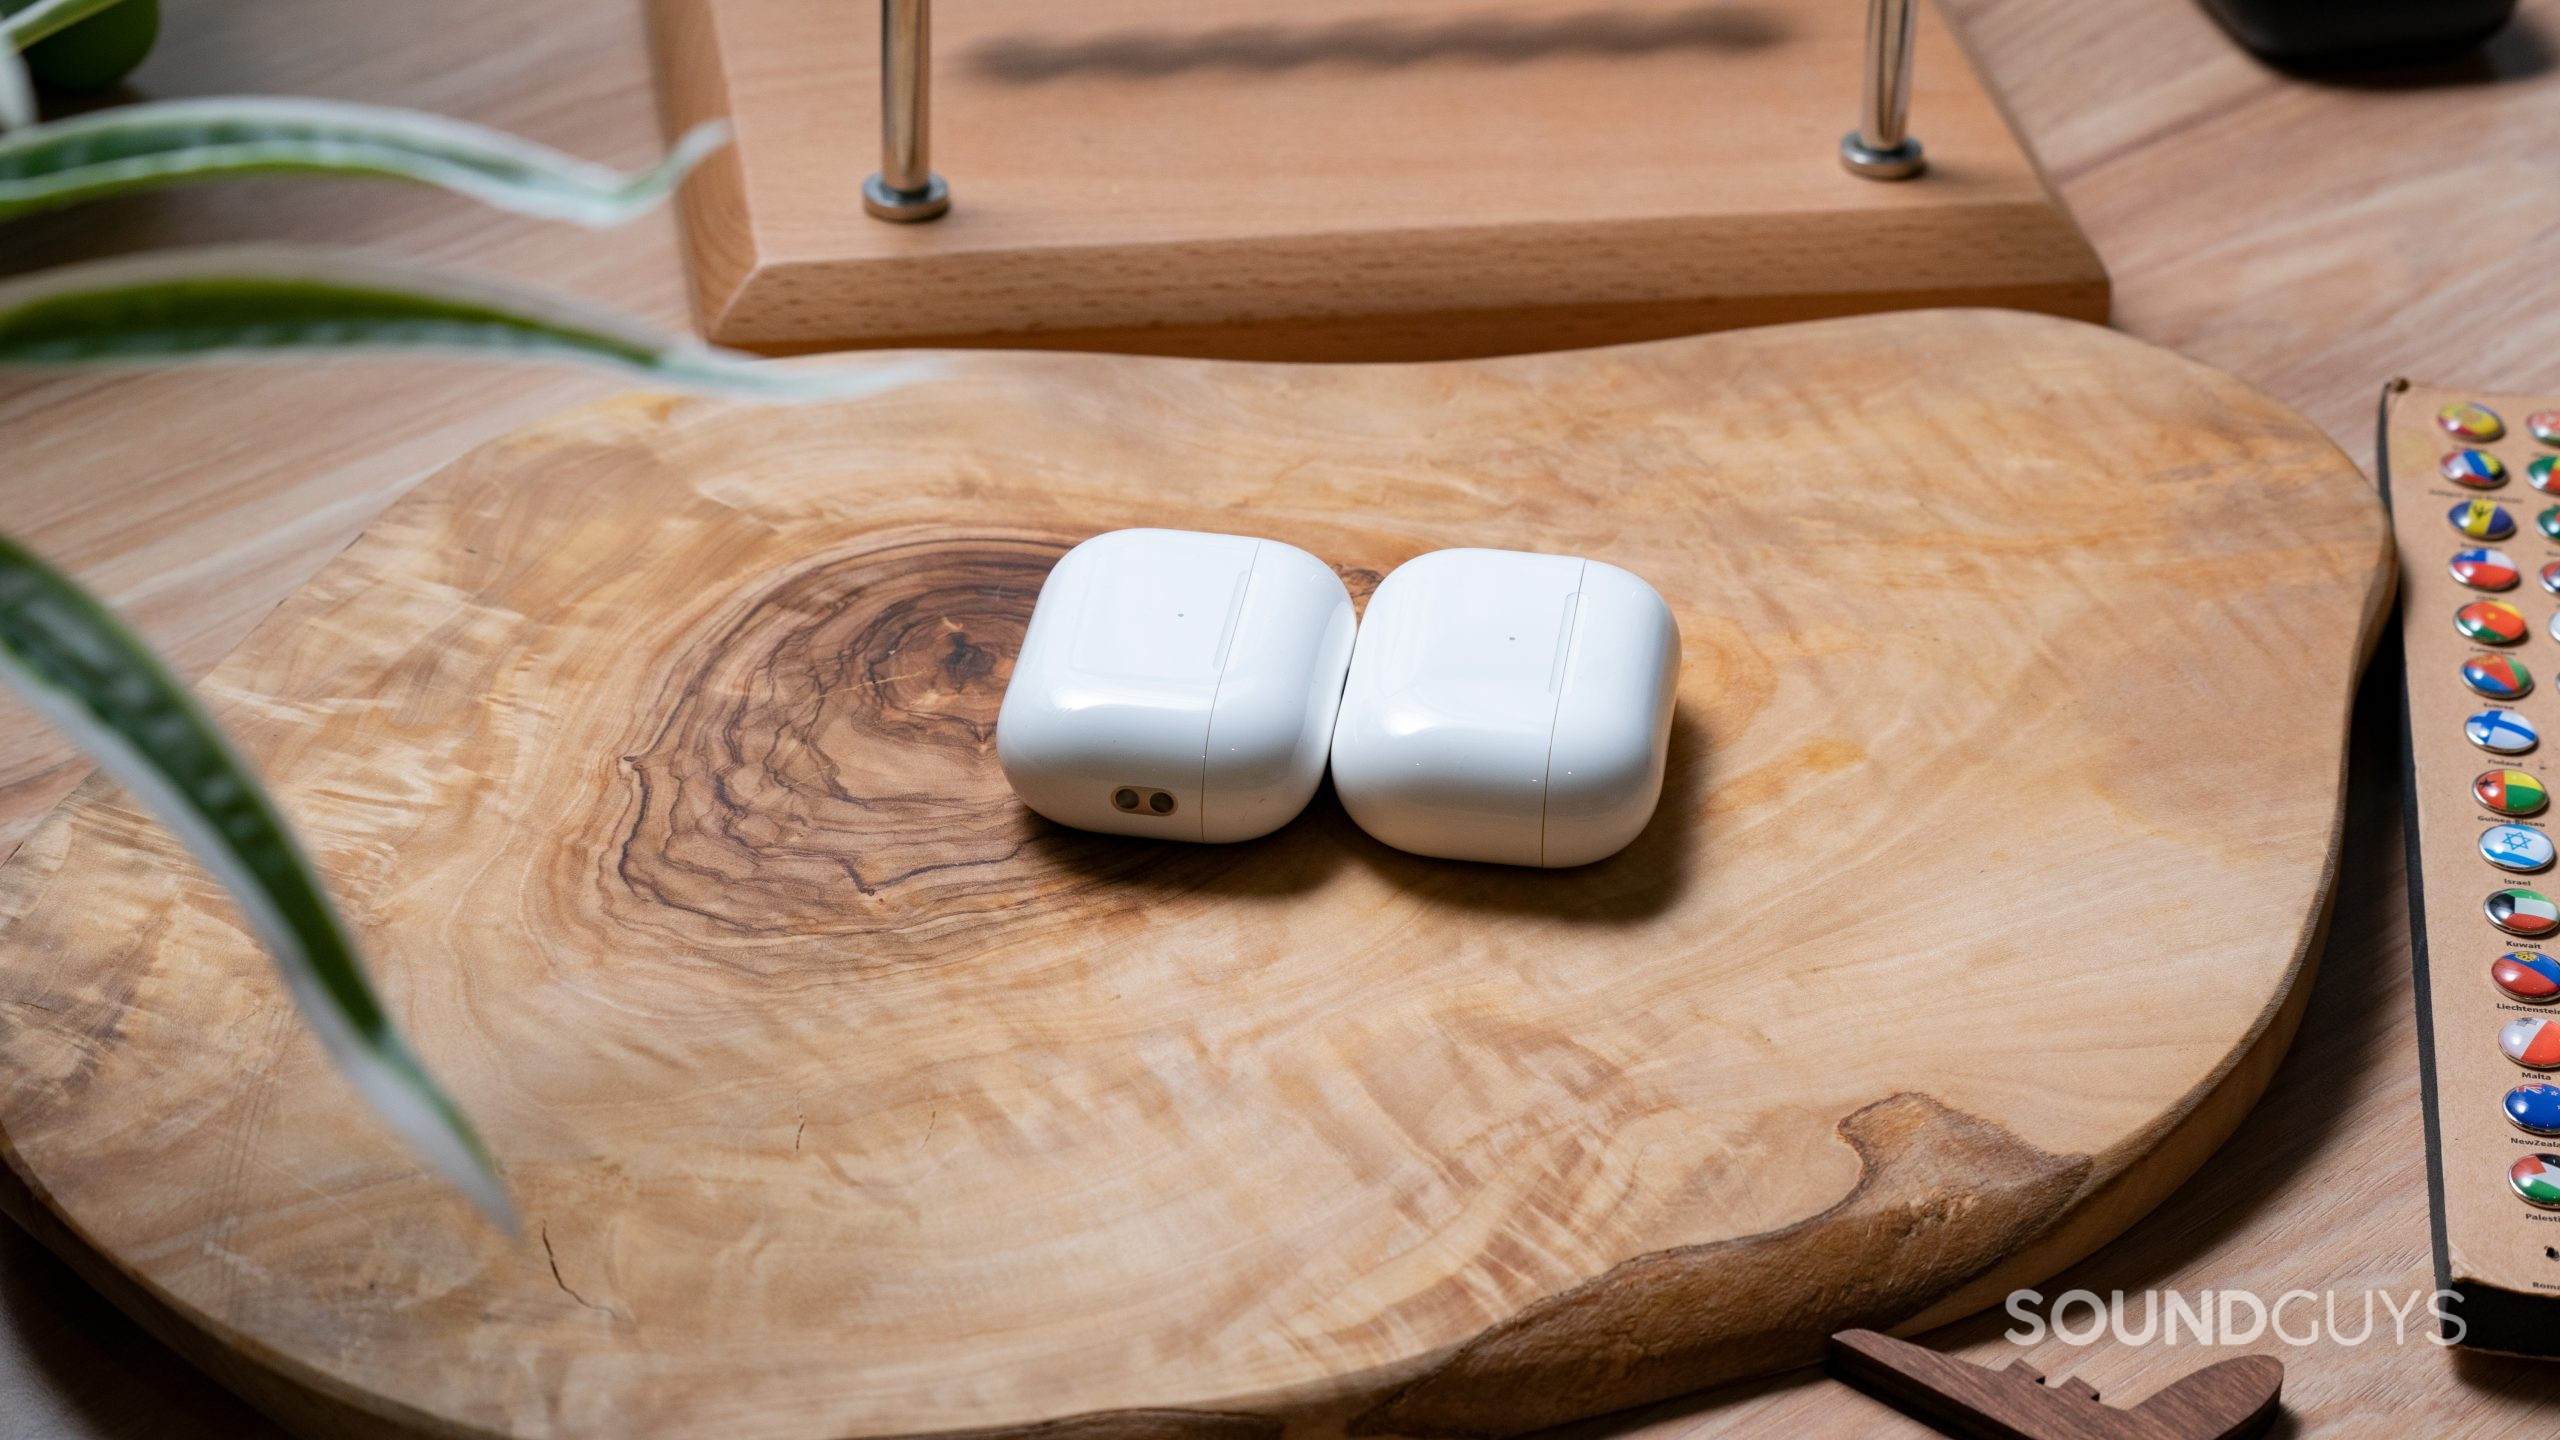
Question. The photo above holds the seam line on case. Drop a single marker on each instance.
(1564, 668)
(1226, 657)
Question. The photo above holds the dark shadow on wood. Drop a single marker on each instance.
(1380, 44)
(97, 1363)
(2520, 51)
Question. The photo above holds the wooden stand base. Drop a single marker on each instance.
(650, 752)
(1320, 180)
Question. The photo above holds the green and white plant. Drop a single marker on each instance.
(86, 673)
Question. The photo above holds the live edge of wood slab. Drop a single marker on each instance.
(650, 752)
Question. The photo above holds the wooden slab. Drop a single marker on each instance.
(649, 749)
(1321, 180)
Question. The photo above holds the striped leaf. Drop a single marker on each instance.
(168, 142)
(86, 673)
(22, 29)
(250, 302)
(17, 91)
(48, 17)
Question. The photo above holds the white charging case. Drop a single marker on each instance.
(1177, 685)
(1508, 707)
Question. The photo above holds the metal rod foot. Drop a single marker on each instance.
(905, 206)
(905, 189)
(1899, 163)
(1881, 148)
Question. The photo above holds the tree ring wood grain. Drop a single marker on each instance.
(650, 751)
(837, 722)
(837, 726)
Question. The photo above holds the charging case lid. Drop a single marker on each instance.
(1203, 666)
(1508, 706)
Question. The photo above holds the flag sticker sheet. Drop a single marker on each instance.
(2474, 495)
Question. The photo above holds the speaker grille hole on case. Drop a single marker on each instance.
(1132, 801)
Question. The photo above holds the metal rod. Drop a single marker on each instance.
(1881, 148)
(906, 189)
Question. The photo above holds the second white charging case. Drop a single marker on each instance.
(1508, 707)
(1178, 685)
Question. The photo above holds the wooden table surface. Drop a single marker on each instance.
(2313, 237)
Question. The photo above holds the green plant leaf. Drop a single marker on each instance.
(17, 91)
(92, 678)
(168, 142)
(49, 17)
(251, 302)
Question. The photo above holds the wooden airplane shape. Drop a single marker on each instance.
(2229, 1400)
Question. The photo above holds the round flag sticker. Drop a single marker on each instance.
(2516, 847)
(2536, 1178)
(2500, 732)
(2532, 1042)
(2519, 911)
(2545, 425)
(2483, 568)
(2526, 975)
(2509, 792)
(2471, 422)
(2535, 1106)
(2500, 677)
(2537, 473)
(2482, 520)
(2477, 469)
(2491, 622)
